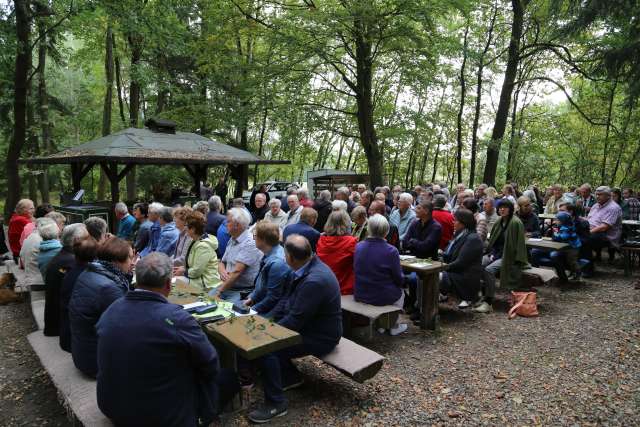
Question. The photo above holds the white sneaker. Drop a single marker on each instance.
(381, 330)
(400, 328)
(483, 307)
(464, 304)
(442, 298)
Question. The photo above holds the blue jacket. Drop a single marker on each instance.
(223, 237)
(423, 240)
(154, 238)
(302, 229)
(214, 219)
(125, 227)
(143, 236)
(168, 238)
(48, 250)
(95, 290)
(270, 280)
(311, 306)
(156, 365)
(402, 222)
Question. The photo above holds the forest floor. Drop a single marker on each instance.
(576, 364)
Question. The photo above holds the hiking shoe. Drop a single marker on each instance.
(464, 304)
(398, 329)
(381, 330)
(267, 412)
(483, 307)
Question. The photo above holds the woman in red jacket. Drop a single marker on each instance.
(22, 216)
(336, 248)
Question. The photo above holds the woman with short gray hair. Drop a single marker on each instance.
(336, 247)
(30, 251)
(359, 226)
(378, 274)
(275, 214)
(50, 245)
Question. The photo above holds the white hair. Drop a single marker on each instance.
(604, 189)
(405, 197)
(325, 195)
(275, 202)
(215, 203)
(155, 207)
(378, 226)
(240, 216)
(121, 208)
(339, 205)
(73, 233)
(302, 193)
(48, 229)
(343, 190)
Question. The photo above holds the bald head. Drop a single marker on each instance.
(298, 251)
(377, 207)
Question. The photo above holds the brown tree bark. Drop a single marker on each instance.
(43, 110)
(135, 44)
(463, 95)
(108, 103)
(502, 114)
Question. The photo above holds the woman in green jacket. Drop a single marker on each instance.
(201, 262)
(506, 254)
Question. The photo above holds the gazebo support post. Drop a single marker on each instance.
(198, 173)
(111, 169)
(79, 171)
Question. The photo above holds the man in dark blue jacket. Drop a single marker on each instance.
(304, 227)
(310, 306)
(156, 365)
(423, 236)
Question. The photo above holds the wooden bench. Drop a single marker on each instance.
(628, 253)
(353, 360)
(534, 277)
(384, 316)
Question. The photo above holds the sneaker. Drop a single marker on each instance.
(483, 307)
(267, 412)
(464, 304)
(381, 330)
(442, 298)
(398, 329)
(575, 277)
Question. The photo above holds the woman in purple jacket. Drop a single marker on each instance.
(379, 277)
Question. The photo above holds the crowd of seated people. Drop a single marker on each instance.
(289, 259)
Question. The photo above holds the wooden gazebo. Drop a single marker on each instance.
(157, 144)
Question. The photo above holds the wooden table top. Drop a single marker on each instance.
(253, 336)
(184, 293)
(631, 222)
(417, 265)
(546, 244)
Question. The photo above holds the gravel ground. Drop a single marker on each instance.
(576, 364)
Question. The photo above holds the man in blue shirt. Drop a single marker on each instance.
(154, 230)
(304, 227)
(140, 212)
(404, 215)
(126, 221)
(214, 217)
(169, 233)
(156, 365)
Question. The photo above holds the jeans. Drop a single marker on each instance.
(491, 270)
(278, 369)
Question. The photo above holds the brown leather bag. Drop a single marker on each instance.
(523, 304)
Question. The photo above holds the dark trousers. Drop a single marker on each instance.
(214, 396)
(278, 369)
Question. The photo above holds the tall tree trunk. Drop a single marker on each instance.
(512, 140)
(108, 103)
(116, 60)
(135, 90)
(463, 95)
(32, 143)
(343, 141)
(43, 109)
(23, 60)
(364, 100)
(623, 140)
(605, 151)
(476, 115)
(263, 130)
(502, 115)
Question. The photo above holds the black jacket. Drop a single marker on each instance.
(54, 276)
(323, 208)
(464, 265)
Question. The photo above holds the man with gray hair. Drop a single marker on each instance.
(125, 222)
(275, 214)
(295, 209)
(403, 216)
(96, 227)
(322, 205)
(54, 275)
(169, 233)
(342, 193)
(241, 260)
(605, 223)
(154, 230)
(183, 363)
(214, 217)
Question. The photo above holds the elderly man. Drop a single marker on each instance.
(290, 192)
(169, 233)
(322, 205)
(241, 260)
(260, 208)
(342, 193)
(156, 365)
(275, 214)
(303, 197)
(295, 209)
(404, 215)
(304, 227)
(393, 237)
(125, 222)
(489, 213)
(214, 217)
(632, 204)
(528, 217)
(97, 228)
(605, 222)
(140, 213)
(455, 199)
(554, 201)
(154, 230)
(54, 275)
(310, 305)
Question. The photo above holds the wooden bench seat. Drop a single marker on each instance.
(384, 316)
(627, 254)
(353, 360)
(534, 276)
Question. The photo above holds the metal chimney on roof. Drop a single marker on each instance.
(161, 125)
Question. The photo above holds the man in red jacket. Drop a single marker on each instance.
(444, 218)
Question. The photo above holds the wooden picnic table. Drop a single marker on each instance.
(249, 336)
(429, 289)
(182, 292)
(546, 244)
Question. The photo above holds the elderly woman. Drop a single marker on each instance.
(463, 258)
(359, 226)
(336, 248)
(54, 276)
(339, 205)
(378, 275)
(276, 215)
(30, 250)
(41, 212)
(96, 288)
(22, 216)
(201, 262)
(184, 240)
(50, 245)
(202, 207)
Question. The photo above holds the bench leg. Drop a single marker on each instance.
(627, 263)
(429, 301)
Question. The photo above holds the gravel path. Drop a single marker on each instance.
(577, 364)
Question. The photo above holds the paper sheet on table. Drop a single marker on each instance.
(406, 257)
(225, 308)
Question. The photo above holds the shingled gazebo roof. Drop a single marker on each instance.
(146, 146)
